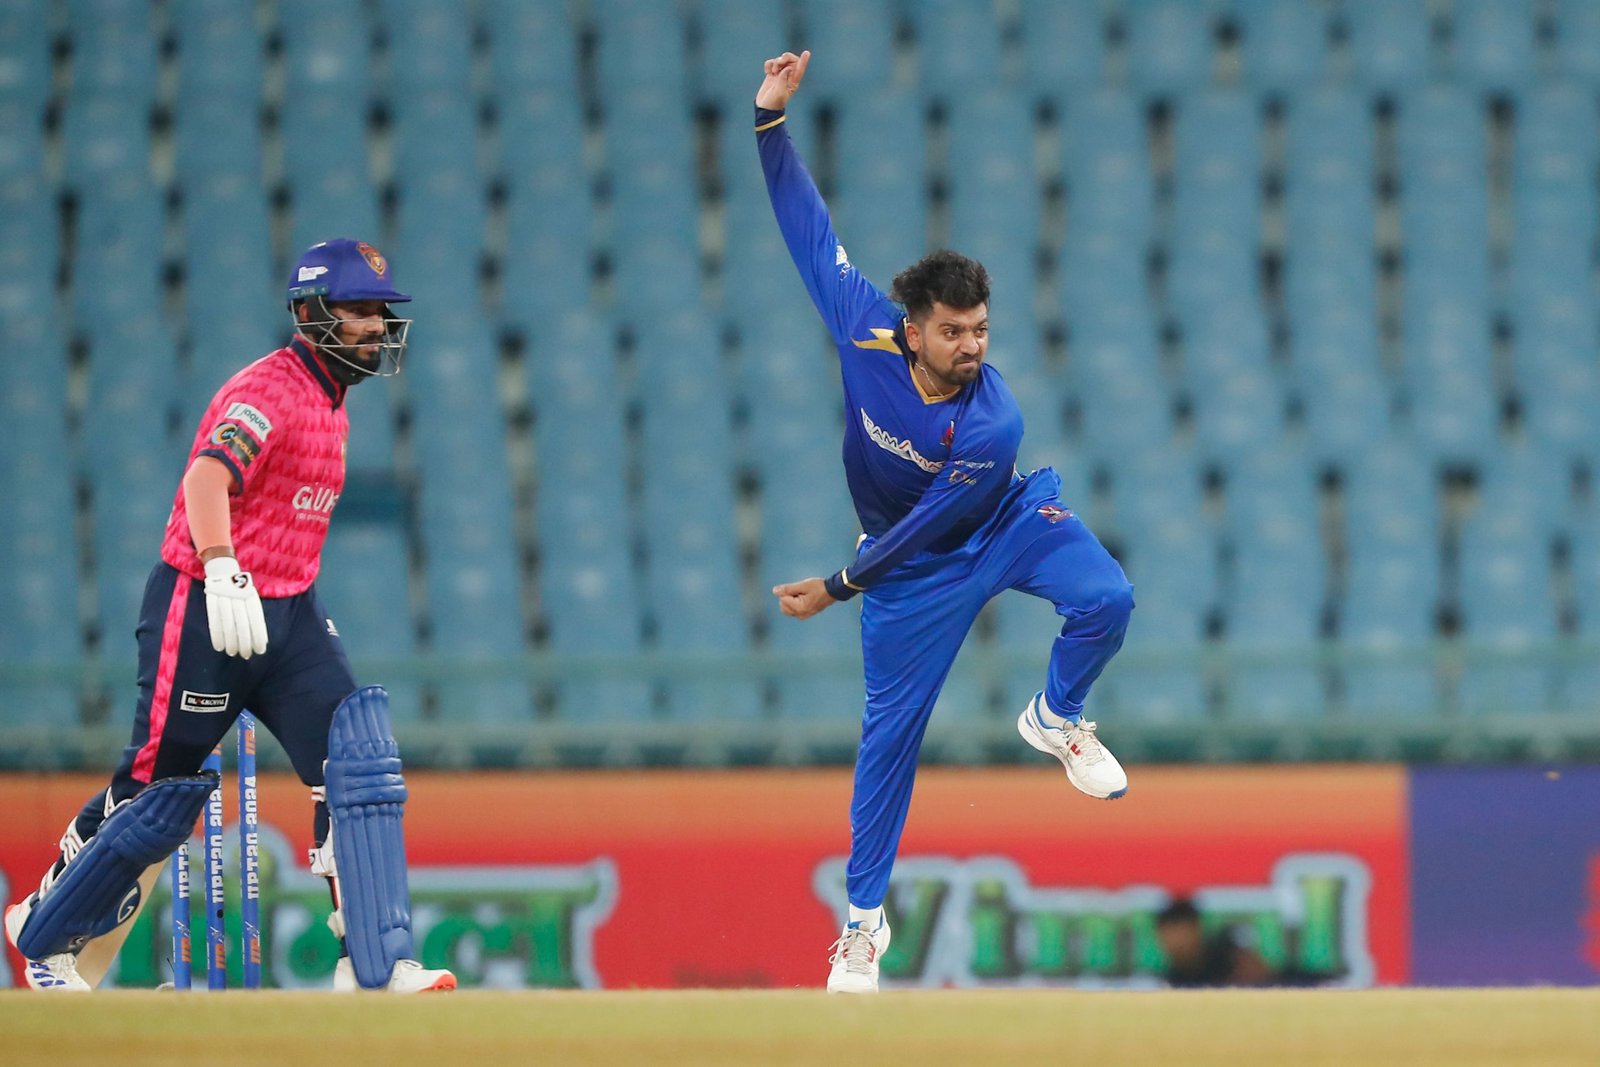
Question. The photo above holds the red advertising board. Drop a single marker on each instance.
(663, 879)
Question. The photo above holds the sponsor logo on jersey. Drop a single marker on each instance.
(841, 259)
(949, 434)
(373, 257)
(257, 423)
(890, 443)
(241, 446)
(317, 499)
(967, 470)
(1055, 512)
(203, 703)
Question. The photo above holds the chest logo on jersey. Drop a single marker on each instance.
(316, 499)
(203, 703)
(257, 423)
(890, 443)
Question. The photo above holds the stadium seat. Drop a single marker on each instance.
(1345, 408)
(1443, 159)
(220, 55)
(534, 47)
(1124, 406)
(430, 48)
(1329, 167)
(39, 584)
(1578, 41)
(958, 48)
(105, 137)
(30, 248)
(1169, 553)
(1391, 593)
(327, 57)
(853, 45)
(1216, 223)
(879, 210)
(330, 194)
(549, 239)
(1552, 178)
(21, 140)
(733, 34)
(364, 585)
(1236, 415)
(1388, 44)
(1508, 620)
(1171, 46)
(1284, 44)
(1279, 590)
(640, 46)
(1107, 167)
(113, 50)
(994, 202)
(116, 273)
(233, 302)
(467, 525)
(1063, 45)
(25, 57)
(217, 139)
(1494, 44)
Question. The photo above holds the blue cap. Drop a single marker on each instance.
(344, 269)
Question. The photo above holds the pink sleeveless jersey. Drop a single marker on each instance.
(280, 426)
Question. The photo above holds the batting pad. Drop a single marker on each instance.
(366, 801)
(100, 887)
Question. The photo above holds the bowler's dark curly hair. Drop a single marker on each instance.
(944, 277)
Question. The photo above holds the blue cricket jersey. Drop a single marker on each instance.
(924, 473)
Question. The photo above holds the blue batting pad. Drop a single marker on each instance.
(366, 800)
(100, 886)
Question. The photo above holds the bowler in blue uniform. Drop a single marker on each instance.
(930, 449)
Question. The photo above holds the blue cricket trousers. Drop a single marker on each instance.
(913, 624)
(190, 694)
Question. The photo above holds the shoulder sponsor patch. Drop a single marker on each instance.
(203, 703)
(251, 419)
(241, 446)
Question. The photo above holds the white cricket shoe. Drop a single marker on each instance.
(855, 959)
(1090, 765)
(408, 976)
(54, 974)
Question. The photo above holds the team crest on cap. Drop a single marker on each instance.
(373, 257)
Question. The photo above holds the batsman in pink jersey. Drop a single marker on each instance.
(231, 621)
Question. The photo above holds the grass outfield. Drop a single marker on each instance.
(1284, 1028)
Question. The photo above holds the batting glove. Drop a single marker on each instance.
(233, 608)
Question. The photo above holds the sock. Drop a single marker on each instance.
(1056, 720)
(871, 918)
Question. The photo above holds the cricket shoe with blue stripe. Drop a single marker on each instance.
(856, 956)
(1090, 765)
(53, 974)
(408, 976)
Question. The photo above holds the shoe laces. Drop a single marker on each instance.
(856, 947)
(63, 966)
(1081, 737)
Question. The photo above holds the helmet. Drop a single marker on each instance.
(340, 271)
